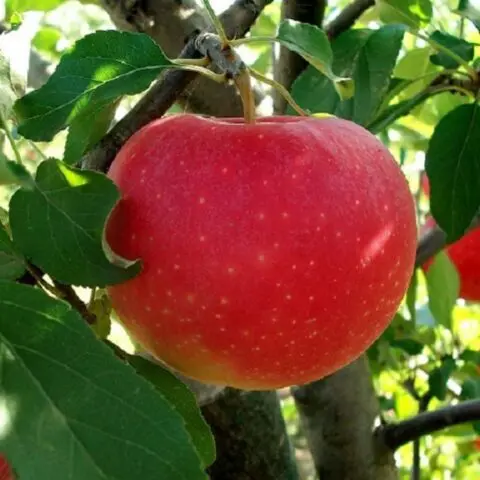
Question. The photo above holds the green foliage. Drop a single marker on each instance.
(93, 414)
(183, 401)
(12, 264)
(100, 418)
(460, 47)
(443, 286)
(59, 225)
(452, 164)
(100, 69)
(438, 378)
(369, 57)
(312, 44)
(414, 13)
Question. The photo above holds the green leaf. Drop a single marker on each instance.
(13, 173)
(59, 225)
(414, 13)
(100, 69)
(369, 57)
(443, 286)
(476, 427)
(439, 376)
(408, 345)
(467, 10)
(85, 131)
(71, 409)
(452, 165)
(470, 389)
(183, 400)
(470, 356)
(313, 45)
(460, 47)
(12, 265)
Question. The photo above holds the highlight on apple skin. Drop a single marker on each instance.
(273, 253)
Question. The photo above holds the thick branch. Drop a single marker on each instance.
(337, 415)
(290, 64)
(250, 435)
(396, 435)
(347, 17)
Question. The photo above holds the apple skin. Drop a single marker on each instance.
(464, 254)
(5, 472)
(273, 254)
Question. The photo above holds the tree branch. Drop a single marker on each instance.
(347, 17)
(237, 21)
(290, 64)
(250, 435)
(398, 434)
(170, 22)
(337, 415)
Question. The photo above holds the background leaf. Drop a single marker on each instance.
(100, 68)
(439, 376)
(460, 47)
(73, 410)
(452, 165)
(12, 265)
(367, 56)
(59, 225)
(443, 285)
(86, 130)
(312, 44)
(414, 13)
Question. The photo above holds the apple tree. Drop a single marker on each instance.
(240, 240)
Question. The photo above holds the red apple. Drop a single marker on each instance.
(5, 472)
(273, 254)
(464, 254)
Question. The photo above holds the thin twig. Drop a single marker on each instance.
(397, 434)
(67, 293)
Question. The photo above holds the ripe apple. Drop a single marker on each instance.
(5, 472)
(273, 253)
(464, 254)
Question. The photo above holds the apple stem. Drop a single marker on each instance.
(244, 86)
